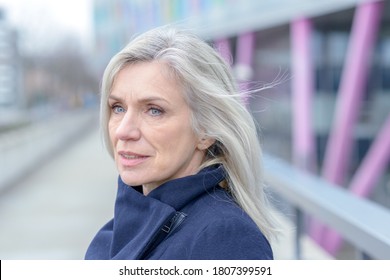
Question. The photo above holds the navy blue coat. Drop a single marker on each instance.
(186, 218)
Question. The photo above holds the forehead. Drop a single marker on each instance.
(146, 76)
(148, 80)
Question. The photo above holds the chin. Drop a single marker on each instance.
(131, 180)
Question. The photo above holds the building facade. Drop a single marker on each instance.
(10, 67)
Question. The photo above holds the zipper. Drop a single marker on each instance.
(168, 227)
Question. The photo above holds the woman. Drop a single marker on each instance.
(187, 152)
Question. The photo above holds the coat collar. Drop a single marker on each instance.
(179, 192)
(138, 218)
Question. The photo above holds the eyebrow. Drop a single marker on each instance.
(142, 100)
(115, 98)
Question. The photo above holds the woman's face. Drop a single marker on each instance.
(150, 127)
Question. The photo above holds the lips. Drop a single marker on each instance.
(131, 156)
(130, 159)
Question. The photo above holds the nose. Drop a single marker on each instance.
(128, 128)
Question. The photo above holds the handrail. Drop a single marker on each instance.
(363, 223)
(23, 150)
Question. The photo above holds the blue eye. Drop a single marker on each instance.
(155, 112)
(118, 109)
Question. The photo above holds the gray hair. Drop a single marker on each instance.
(218, 111)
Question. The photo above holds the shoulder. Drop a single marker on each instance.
(222, 230)
(231, 238)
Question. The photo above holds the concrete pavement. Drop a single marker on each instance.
(55, 212)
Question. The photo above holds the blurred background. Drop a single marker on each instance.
(326, 113)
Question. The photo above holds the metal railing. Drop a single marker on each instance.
(25, 149)
(363, 223)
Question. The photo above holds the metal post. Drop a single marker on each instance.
(222, 45)
(299, 220)
(353, 84)
(243, 66)
(373, 164)
(302, 94)
(368, 173)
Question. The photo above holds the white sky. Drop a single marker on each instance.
(48, 18)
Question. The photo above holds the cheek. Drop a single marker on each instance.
(177, 141)
(111, 132)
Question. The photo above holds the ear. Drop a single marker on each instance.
(205, 143)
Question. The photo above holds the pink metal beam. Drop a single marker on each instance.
(245, 48)
(374, 163)
(222, 45)
(302, 94)
(368, 173)
(303, 140)
(353, 83)
(244, 59)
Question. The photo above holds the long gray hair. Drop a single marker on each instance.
(217, 111)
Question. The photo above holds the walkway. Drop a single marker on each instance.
(54, 213)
